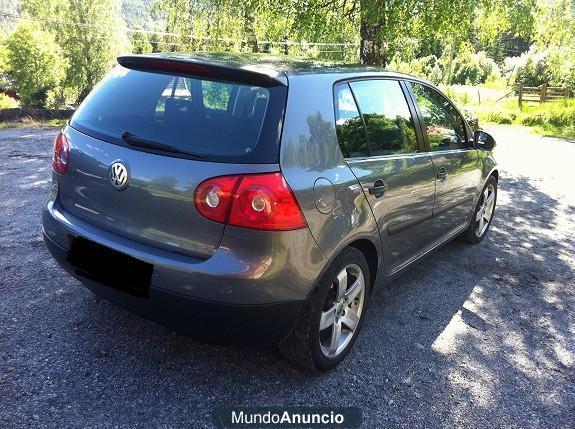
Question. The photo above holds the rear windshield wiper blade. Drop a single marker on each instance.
(134, 140)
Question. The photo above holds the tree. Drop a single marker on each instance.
(91, 34)
(386, 27)
(140, 43)
(249, 24)
(555, 24)
(36, 64)
(92, 46)
(552, 57)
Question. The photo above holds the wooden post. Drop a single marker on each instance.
(520, 94)
(542, 93)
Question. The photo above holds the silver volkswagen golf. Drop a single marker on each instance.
(244, 200)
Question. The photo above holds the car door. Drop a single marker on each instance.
(456, 163)
(382, 145)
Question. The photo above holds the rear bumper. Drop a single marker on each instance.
(245, 293)
(204, 320)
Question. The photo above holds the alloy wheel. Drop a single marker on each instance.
(342, 310)
(485, 211)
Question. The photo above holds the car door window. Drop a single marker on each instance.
(349, 125)
(444, 125)
(388, 121)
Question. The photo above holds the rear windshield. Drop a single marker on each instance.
(182, 116)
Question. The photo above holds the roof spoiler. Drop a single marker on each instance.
(198, 68)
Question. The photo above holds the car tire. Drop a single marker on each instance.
(314, 342)
(483, 213)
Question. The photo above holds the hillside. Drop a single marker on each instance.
(10, 7)
(136, 13)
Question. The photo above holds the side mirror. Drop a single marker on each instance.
(483, 140)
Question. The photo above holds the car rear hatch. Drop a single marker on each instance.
(168, 124)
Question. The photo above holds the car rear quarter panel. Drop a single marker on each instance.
(309, 151)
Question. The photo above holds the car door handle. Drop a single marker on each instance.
(442, 174)
(377, 189)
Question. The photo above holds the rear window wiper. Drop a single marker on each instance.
(134, 140)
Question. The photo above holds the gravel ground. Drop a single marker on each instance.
(476, 336)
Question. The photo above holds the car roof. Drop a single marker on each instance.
(275, 67)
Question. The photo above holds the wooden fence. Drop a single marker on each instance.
(541, 93)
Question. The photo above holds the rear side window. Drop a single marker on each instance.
(221, 121)
(389, 125)
(349, 124)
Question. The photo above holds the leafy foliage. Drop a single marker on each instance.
(553, 66)
(140, 43)
(36, 64)
(445, 41)
(470, 68)
(7, 102)
(91, 46)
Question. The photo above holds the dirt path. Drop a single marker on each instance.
(476, 336)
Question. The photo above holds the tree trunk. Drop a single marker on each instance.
(250, 30)
(372, 48)
(373, 19)
(449, 71)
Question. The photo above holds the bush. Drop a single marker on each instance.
(473, 69)
(533, 119)
(469, 68)
(530, 70)
(557, 114)
(35, 63)
(429, 68)
(7, 102)
(553, 66)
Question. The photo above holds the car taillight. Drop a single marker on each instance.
(61, 154)
(255, 201)
(214, 197)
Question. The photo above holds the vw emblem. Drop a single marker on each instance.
(118, 175)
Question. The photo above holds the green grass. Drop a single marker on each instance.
(554, 118)
(552, 131)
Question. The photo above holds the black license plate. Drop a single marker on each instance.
(110, 267)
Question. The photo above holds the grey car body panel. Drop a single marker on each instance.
(157, 207)
(308, 151)
(454, 197)
(404, 211)
(270, 267)
(196, 258)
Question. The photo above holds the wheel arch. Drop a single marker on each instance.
(367, 247)
(494, 173)
(371, 254)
